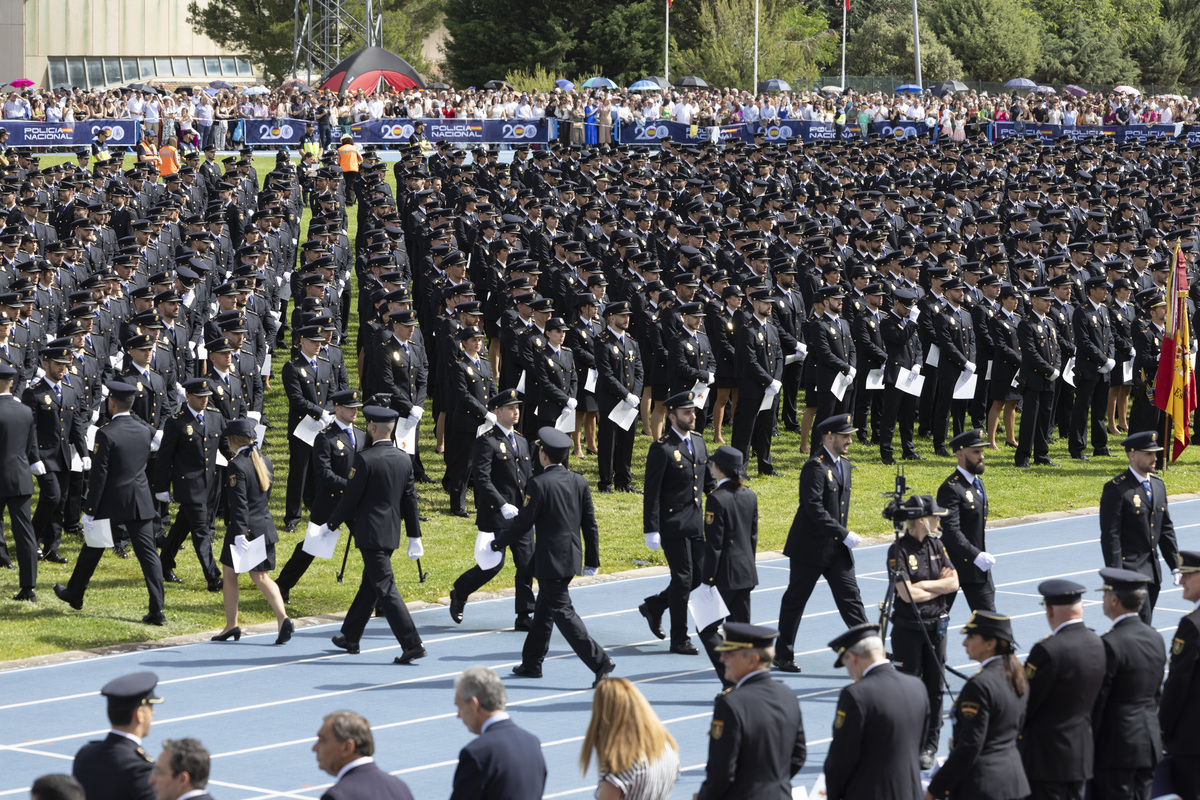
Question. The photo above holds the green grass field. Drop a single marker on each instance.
(116, 599)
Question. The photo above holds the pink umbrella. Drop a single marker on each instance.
(1078, 91)
(1127, 90)
(21, 83)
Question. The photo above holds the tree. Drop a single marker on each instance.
(1161, 56)
(882, 47)
(1087, 51)
(994, 39)
(490, 38)
(624, 42)
(262, 29)
(1184, 16)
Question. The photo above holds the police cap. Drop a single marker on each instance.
(554, 442)
(850, 638)
(131, 691)
(506, 398)
(198, 387)
(347, 398)
(1061, 592)
(1120, 580)
(742, 635)
(990, 625)
(839, 423)
(380, 414)
(1144, 441)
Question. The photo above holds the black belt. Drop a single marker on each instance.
(914, 625)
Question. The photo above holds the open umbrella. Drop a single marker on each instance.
(598, 83)
(438, 86)
(565, 85)
(254, 91)
(1127, 90)
(831, 89)
(909, 87)
(692, 82)
(293, 85)
(1078, 91)
(1020, 83)
(183, 90)
(645, 86)
(945, 87)
(1044, 90)
(367, 69)
(774, 85)
(497, 85)
(63, 87)
(21, 83)
(220, 85)
(659, 81)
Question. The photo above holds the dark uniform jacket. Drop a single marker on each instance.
(368, 782)
(559, 503)
(819, 527)
(382, 475)
(504, 762)
(984, 762)
(902, 343)
(332, 457)
(18, 448)
(730, 538)
(877, 732)
(247, 511)
(403, 375)
(676, 481)
(556, 380)
(955, 338)
(756, 742)
(1179, 710)
(1125, 719)
(619, 369)
(1093, 340)
(117, 488)
(1134, 526)
(60, 423)
(471, 385)
(1041, 352)
(691, 360)
(114, 768)
(187, 458)
(307, 390)
(151, 404)
(833, 345)
(501, 474)
(964, 526)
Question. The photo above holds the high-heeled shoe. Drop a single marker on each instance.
(285, 632)
(234, 633)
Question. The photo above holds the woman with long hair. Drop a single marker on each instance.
(635, 755)
(247, 514)
(984, 762)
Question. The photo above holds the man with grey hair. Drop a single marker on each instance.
(504, 762)
(181, 771)
(344, 749)
(879, 724)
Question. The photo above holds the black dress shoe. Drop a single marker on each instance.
(522, 671)
(26, 595)
(770, 471)
(456, 608)
(653, 620)
(1102, 452)
(54, 558)
(523, 622)
(1081, 457)
(629, 488)
(9, 566)
(787, 665)
(603, 673)
(423, 478)
(291, 526)
(941, 452)
(1045, 462)
(913, 456)
(887, 460)
(422, 518)
(64, 594)
(121, 550)
(344, 643)
(685, 648)
(410, 655)
(169, 576)
(606, 489)
(1022, 463)
(458, 512)
(285, 632)
(158, 619)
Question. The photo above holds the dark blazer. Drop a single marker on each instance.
(307, 390)
(501, 474)
(619, 370)
(868, 341)
(833, 345)
(368, 782)
(984, 762)
(470, 387)
(1179, 710)
(151, 403)
(332, 457)
(559, 503)
(114, 768)
(676, 481)
(1125, 719)
(902, 343)
(232, 401)
(730, 538)
(403, 375)
(964, 527)
(1064, 672)
(381, 478)
(756, 742)
(187, 458)
(502, 763)
(18, 448)
(1006, 344)
(691, 360)
(60, 424)
(117, 488)
(877, 734)
(247, 504)
(1093, 340)
(1132, 527)
(556, 380)
(955, 339)
(1041, 353)
(819, 527)
(759, 357)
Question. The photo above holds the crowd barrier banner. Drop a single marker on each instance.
(1119, 133)
(121, 133)
(651, 132)
(391, 132)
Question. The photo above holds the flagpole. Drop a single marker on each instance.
(845, 8)
(667, 48)
(755, 87)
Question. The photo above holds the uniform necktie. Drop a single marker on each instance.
(58, 392)
(313, 362)
(688, 442)
(350, 433)
(979, 489)
(200, 422)
(1149, 493)
(512, 440)
(839, 467)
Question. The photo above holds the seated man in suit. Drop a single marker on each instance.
(344, 749)
(504, 762)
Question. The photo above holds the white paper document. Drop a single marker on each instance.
(307, 429)
(841, 382)
(700, 392)
(987, 375)
(319, 541)
(76, 462)
(707, 606)
(484, 428)
(485, 556)
(1068, 371)
(260, 432)
(90, 437)
(910, 382)
(98, 534)
(248, 553)
(222, 461)
(521, 383)
(623, 415)
(565, 421)
(1127, 371)
(964, 387)
(589, 384)
(767, 401)
(406, 434)
(875, 380)
(933, 356)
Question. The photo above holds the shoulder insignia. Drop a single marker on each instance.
(142, 753)
(96, 447)
(1030, 669)
(969, 710)
(708, 517)
(351, 475)
(1176, 647)
(839, 720)
(526, 500)
(717, 730)
(233, 480)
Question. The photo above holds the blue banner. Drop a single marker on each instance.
(121, 133)
(391, 132)
(650, 132)
(1119, 133)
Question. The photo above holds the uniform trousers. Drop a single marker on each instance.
(24, 540)
(802, 579)
(378, 587)
(1034, 435)
(738, 603)
(792, 375)
(616, 451)
(754, 429)
(1090, 395)
(73, 508)
(299, 482)
(911, 655)
(898, 407)
(458, 467)
(980, 596)
(48, 516)
(1056, 790)
(193, 518)
(474, 579)
(554, 608)
(948, 413)
(1122, 784)
(685, 556)
(1183, 774)
(827, 406)
(140, 532)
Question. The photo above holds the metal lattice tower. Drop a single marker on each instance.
(324, 27)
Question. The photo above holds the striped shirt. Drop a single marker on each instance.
(647, 780)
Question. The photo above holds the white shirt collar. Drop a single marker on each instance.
(1065, 624)
(131, 737)
(682, 436)
(499, 715)
(970, 478)
(358, 762)
(831, 455)
(723, 480)
(1141, 478)
(987, 661)
(873, 666)
(1124, 616)
(748, 676)
(191, 794)
(114, 416)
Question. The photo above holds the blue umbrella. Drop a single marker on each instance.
(645, 86)
(599, 83)
(565, 85)
(909, 87)
(1020, 83)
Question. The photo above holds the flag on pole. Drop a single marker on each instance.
(1175, 384)
(847, 5)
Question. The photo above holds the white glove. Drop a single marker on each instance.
(774, 387)
(968, 367)
(88, 520)
(327, 418)
(853, 373)
(572, 403)
(916, 369)
(508, 511)
(416, 413)
(87, 463)
(95, 416)
(104, 392)
(852, 540)
(1108, 366)
(1055, 376)
(984, 560)
(37, 468)
(631, 400)
(491, 417)
(163, 497)
(653, 540)
(415, 549)
(590, 571)
(254, 415)
(155, 443)
(1133, 355)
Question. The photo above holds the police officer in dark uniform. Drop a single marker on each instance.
(819, 543)
(308, 384)
(501, 469)
(18, 448)
(756, 740)
(187, 463)
(379, 484)
(1064, 671)
(117, 766)
(558, 508)
(922, 606)
(619, 379)
(1134, 520)
(984, 761)
(1095, 358)
(964, 528)
(471, 384)
(333, 454)
(878, 725)
(677, 478)
(1125, 719)
(1042, 360)
(1179, 710)
(903, 352)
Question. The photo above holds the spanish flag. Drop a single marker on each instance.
(1175, 384)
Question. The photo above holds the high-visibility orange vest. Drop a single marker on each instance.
(348, 158)
(151, 154)
(168, 160)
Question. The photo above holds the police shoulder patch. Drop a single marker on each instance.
(717, 730)
(709, 516)
(1176, 647)
(351, 475)
(1030, 670)
(969, 710)
(839, 720)
(233, 480)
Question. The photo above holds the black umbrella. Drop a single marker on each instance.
(437, 86)
(367, 69)
(221, 85)
(63, 87)
(497, 85)
(774, 85)
(692, 82)
(183, 90)
(946, 87)
(658, 79)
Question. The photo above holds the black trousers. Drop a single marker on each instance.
(299, 482)
(1122, 784)
(1034, 436)
(193, 518)
(616, 451)
(948, 413)
(48, 516)
(827, 406)
(1147, 610)
(685, 556)
(753, 428)
(980, 596)
(1056, 790)
(1183, 774)
(898, 407)
(24, 540)
(73, 510)
(911, 655)
(839, 574)
(140, 532)
(868, 408)
(1090, 395)
(378, 587)
(738, 603)
(474, 579)
(1064, 399)
(554, 608)
(458, 467)
(792, 375)
(297, 564)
